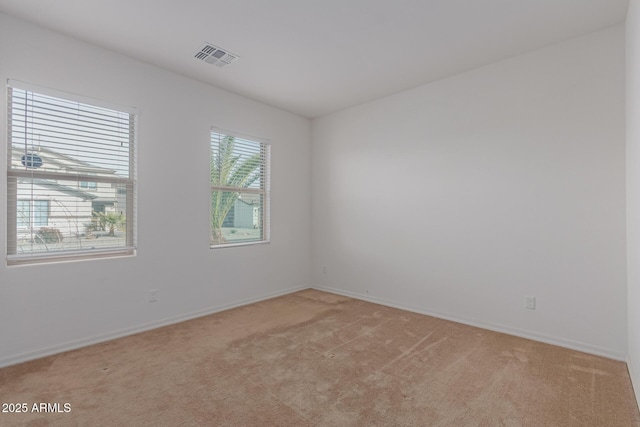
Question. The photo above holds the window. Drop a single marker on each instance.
(239, 190)
(85, 184)
(33, 213)
(70, 177)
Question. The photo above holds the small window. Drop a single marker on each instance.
(70, 180)
(239, 190)
(33, 213)
(90, 184)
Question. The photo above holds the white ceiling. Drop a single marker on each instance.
(313, 57)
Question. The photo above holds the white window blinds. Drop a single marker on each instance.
(239, 190)
(70, 176)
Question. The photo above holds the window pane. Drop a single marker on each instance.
(240, 215)
(235, 162)
(80, 138)
(65, 218)
(40, 213)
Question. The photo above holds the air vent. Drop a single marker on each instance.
(215, 55)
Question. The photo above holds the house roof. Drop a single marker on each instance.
(53, 185)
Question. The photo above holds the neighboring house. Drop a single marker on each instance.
(245, 212)
(62, 205)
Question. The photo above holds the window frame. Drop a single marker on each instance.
(264, 191)
(13, 257)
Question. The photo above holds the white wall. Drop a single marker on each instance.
(461, 197)
(45, 308)
(633, 191)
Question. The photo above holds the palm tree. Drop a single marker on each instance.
(228, 170)
(111, 220)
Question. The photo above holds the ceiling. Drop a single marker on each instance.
(314, 57)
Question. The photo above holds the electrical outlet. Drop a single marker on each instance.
(324, 269)
(153, 295)
(530, 303)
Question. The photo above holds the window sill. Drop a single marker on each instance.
(232, 245)
(18, 260)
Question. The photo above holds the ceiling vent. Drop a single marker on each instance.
(216, 56)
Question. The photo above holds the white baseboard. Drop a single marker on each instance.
(561, 342)
(84, 342)
(635, 384)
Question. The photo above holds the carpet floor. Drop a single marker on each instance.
(316, 359)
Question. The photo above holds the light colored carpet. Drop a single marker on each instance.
(317, 359)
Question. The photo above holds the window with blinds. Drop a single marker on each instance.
(239, 190)
(70, 177)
